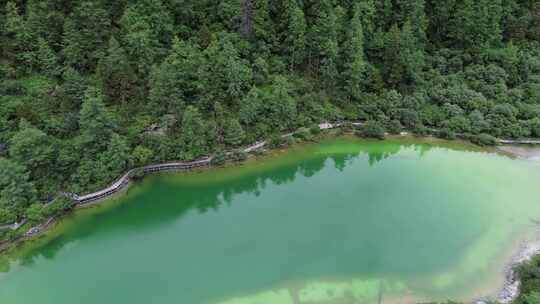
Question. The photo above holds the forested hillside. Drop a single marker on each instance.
(91, 88)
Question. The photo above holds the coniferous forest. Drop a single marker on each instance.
(90, 88)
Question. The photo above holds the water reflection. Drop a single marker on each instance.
(208, 199)
(162, 202)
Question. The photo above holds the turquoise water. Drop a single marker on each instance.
(342, 221)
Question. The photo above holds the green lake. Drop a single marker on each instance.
(341, 221)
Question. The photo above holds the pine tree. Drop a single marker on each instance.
(86, 34)
(295, 41)
(115, 160)
(354, 56)
(176, 81)
(234, 134)
(16, 190)
(19, 42)
(33, 149)
(118, 77)
(47, 60)
(226, 76)
(95, 122)
(147, 29)
(193, 137)
(324, 42)
(262, 23)
(403, 60)
(477, 24)
(72, 89)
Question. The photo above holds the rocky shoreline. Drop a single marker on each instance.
(524, 152)
(526, 251)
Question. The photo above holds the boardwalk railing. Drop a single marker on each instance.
(173, 166)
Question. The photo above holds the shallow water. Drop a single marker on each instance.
(342, 221)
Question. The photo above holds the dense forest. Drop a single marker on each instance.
(89, 88)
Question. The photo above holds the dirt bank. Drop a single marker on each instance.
(525, 152)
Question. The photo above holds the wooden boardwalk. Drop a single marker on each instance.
(123, 181)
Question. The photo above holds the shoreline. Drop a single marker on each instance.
(522, 152)
(525, 252)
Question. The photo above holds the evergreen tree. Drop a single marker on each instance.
(119, 79)
(234, 134)
(403, 59)
(95, 122)
(354, 56)
(72, 89)
(19, 45)
(115, 160)
(477, 24)
(262, 23)
(226, 75)
(46, 58)
(323, 37)
(295, 40)
(16, 191)
(177, 79)
(86, 34)
(147, 29)
(33, 149)
(193, 137)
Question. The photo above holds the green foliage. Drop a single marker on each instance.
(16, 190)
(529, 275)
(35, 213)
(394, 127)
(193, 138)
(141, 155)
(372, 129)
(86, 33)
(118, 77)
(234, 134)
(219, 159)
(303, 134)
(315, 129)
(276, 141)
(484, 140)
(95, 121)
(238, 155)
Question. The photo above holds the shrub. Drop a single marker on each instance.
(372, 129)
(219, 159)
(238, 155)
(420, 130)
(315, 129)
(137, 174)
(446, 134)
(276, 141)
(484, 140)
(303, 134)
(394, 127)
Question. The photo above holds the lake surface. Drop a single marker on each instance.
(342, 221)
